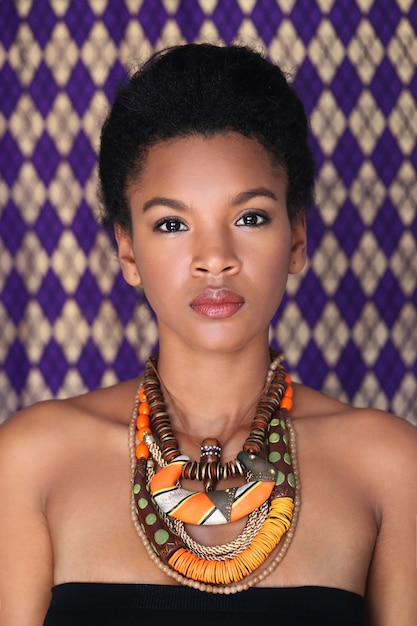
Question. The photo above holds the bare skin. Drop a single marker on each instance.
(64, 465)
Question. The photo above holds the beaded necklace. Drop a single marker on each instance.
(160, 507)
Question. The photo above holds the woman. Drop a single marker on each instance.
(251, 495)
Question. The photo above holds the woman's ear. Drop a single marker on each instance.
(126, 256)
(299, 244)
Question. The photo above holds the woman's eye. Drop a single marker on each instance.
(170, 225)
(253, 219)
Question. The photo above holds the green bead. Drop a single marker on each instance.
(274, 438)
(136, 489)
(291, 479)
(143, 503)
(150, 519)
(280, 478)
(161, 536)
(287, 458)
(274, 457)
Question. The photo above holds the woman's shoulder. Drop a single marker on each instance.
(312, 404)
(380, 439)
(108, 403)
(47, 428)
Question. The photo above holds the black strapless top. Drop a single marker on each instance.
(106, 604)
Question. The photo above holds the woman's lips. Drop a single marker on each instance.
(217, 303)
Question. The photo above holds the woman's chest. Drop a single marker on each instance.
(94, 538)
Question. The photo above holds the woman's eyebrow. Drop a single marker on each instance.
(244, 196)
(240, 198)
(162, 201)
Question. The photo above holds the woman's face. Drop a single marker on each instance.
(211, 244)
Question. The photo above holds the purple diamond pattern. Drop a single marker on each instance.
(345, 17)
(91, 363)
(80, 88)
(116, 77)
(227, 16)
(412, 16)
(46, 158)
(385, 16)
(351, 369)
(51, 296)
(311, 299)
(53, 365)
(190, 18)
(88, 296)
(306, 15)
(347, 157)
(82, 152)
(48, 228)
(316, 229)
(43, 89)
(350, 298)
(389, 298)
(11, 158)
(346, 86)
(308, 84)
(85, 227)
(349, 228)
(152, 17)
(9, 18)
(366, 182)
(388, 227)
(386, 86)
(80, 19)
(125, 360)
(13, 227)
(42, 20)
(312, 364)
(267, 17)
(15, 296)
(123, 297)
(389, 369)
(116, 17)
(387, 157)
(17, 365)
(10, 90)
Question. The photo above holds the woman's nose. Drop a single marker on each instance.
(215, 254)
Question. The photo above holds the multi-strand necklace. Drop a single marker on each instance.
(269, 498)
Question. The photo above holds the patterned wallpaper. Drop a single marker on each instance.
(348, 324)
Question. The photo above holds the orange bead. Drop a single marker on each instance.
(141, 395)
(142, 431)
(142, 451)
(286, 403)
(288, 379)
(144, 408)
(289, 392)
(142, 421)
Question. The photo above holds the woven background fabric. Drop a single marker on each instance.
(348, 324)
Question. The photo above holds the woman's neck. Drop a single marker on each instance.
(212, 394)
